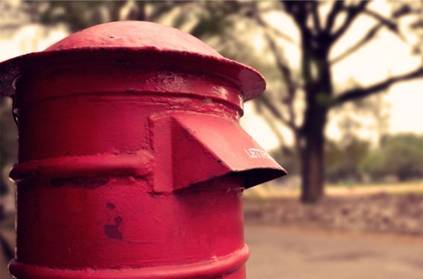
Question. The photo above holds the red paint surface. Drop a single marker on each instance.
(129, 42)
(132, 168)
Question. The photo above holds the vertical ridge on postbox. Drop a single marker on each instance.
(161, 141)
(201, 147)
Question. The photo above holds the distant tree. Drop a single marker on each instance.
(343, 160)
(319, 32)
(399, 155)
(204, 18)
(77, 15)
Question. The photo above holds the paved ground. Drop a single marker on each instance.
(291, 253)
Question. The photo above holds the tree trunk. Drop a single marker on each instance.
(318, 87)
(312, 158)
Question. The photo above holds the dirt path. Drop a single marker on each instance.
(292, 253)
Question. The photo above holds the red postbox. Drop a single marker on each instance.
(131, 158)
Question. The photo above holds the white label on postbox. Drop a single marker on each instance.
(256, 153)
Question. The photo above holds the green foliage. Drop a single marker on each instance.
(343, 160)
(217, 19)
(209, 17)
(400, 156)
(77, 15)
(374, 165)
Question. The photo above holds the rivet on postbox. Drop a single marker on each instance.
(131, 157)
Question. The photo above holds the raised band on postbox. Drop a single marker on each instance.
(131, 157)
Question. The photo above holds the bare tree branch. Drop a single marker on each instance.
(270, 121)
(256, 16)
(315, 16)
(352, 13)
(276, 31)
(298, 11)
(276, 113)
(388, 23)
(382, 22)
(360, 43)
(286, 74)
(290, 123)
(357, 93)
(280, 34)
(283, 68)
(336, 9)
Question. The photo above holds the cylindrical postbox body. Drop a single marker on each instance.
(132, 162)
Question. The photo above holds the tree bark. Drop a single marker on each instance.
(318, 87)
(312, 157)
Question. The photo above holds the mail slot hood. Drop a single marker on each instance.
(192, 148)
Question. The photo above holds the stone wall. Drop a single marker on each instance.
(378, 213)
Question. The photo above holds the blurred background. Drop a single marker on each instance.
(342, 112)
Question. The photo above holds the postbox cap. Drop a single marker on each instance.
(143, 41)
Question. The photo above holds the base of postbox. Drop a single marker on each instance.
(230, 267)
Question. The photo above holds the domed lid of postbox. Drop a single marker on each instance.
(136, 41)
